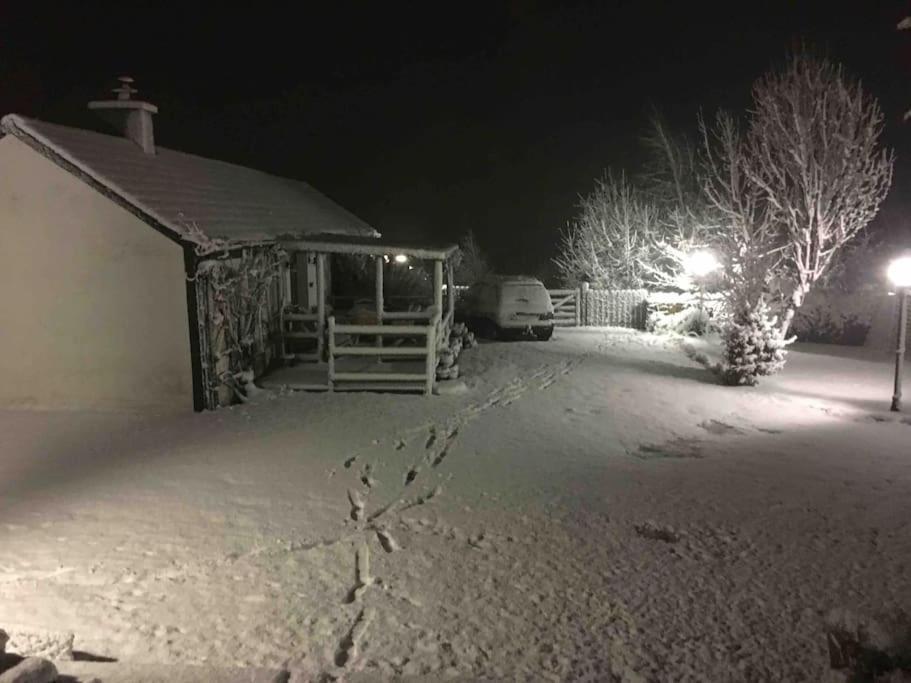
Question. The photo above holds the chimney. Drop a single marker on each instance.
(132, 118)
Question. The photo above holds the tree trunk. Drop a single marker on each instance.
(795, 302)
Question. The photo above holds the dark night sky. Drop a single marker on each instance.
(432, 118)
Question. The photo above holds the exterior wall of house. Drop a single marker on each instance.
(93, 311)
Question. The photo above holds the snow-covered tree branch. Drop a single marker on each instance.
(812, 148)
(472, 264)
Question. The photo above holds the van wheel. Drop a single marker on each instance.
(543, 333)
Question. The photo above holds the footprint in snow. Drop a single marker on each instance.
(348, 647)
(357, 505)
(447, 445)
(874, 418)
(362, 578)
(366, 479)
(676, 448)
(719, 428)
(386, 540)
(655, 532)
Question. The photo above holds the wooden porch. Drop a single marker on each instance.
(386, 348)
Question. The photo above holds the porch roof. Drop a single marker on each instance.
(370, 246)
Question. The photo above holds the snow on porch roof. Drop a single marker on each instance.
(179, 191)
(344, 244)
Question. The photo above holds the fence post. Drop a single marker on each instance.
(331, 353)
(379, 302)
(582, 315)
(430, 367)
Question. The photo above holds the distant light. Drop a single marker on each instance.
(701, 263)
(900, 272)
(401, 258)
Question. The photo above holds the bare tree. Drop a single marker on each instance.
(812, 148)
(472, 263)
(670, 174)
(609, 240)
(749, 239)
(623, 237)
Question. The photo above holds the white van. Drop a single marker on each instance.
(501, 306)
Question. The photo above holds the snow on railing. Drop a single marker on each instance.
(428, 351)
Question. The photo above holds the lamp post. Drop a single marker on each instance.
(698, 264)
(900, 274)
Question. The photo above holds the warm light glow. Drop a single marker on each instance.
(900, 272)
(401, 258)
(701, 263)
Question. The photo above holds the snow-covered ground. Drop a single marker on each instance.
(595, 507)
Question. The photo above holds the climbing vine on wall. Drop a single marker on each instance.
(243, 296)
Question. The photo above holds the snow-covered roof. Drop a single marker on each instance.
(345, 244)
(185, 193)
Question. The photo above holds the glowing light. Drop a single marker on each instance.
(899, 272)
(401, 258)
(701, 263)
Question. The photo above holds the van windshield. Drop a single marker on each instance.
(535, 295)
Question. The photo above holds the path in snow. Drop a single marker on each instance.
(594, 508)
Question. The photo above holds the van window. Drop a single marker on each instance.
(529, 294)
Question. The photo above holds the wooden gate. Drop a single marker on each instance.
(600, 307)
(567, 307)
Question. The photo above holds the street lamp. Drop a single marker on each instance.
(900, 274)
(699, 264)
(401, 259)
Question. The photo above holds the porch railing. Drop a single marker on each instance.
(370, 377)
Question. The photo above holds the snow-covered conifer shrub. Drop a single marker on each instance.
(753, 346)
(683, 313)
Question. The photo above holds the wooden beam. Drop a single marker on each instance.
(331, 378)
(320, 302)
(438, 285)
(379, 296)
(450, 290)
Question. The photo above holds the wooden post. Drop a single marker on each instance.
(438, 286)
(430, 367)
(379, 301)
(320, 304)
(582, 305)
(285, 296)
(331, 377)
(450, 292)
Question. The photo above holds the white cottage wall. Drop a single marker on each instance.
(93, 311)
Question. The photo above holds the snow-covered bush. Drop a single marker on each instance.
(824, 325)
(459, 338)
(832, 316)
(753, 346)
(683, 313)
